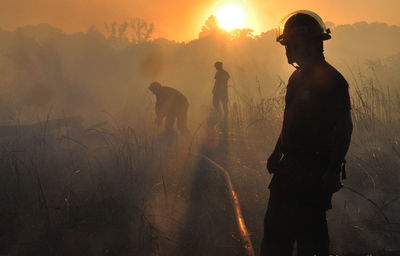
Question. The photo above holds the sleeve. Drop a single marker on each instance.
(290, 89)
(163, 102)
(158, 107)
(340, 99)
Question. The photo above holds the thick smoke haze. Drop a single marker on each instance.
(99, 71)
(86, 171)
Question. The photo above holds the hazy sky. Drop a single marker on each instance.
(182, 19)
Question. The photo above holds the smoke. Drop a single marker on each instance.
(101, 78)
(45, 68)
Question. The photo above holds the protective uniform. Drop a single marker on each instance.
(316, 97)
(171, 105)
(220, 91)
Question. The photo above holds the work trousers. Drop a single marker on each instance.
(297, 208)
(287, 221)
(221, 98)
(179, 116)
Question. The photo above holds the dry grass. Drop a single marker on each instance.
(117, 190)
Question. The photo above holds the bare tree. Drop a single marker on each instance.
(142, 31)
(112, 29)
(122, 30)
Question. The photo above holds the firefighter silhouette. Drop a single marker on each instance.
(309, 155)
(171, 105)
(220, 90)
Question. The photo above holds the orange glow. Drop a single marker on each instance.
(230, 17)
(182, 20)
(236, 14)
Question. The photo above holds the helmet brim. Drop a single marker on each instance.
(285, 41)
(284, 37)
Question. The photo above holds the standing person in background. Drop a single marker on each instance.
(220, 90)
(309, 155)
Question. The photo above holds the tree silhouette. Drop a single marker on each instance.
(142, 31)
(212, 29)
(111, 29)
(122, 30)
(241, 33)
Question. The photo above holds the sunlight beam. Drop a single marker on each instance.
(230, 17)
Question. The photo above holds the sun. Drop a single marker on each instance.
(230, 17)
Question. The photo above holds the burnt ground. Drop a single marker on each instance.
(135, 199)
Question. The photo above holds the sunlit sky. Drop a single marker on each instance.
(182, 19)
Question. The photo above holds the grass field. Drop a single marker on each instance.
(118, 189)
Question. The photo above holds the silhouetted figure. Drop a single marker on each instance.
(309, 155)
(171, 105)
(220, 90)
